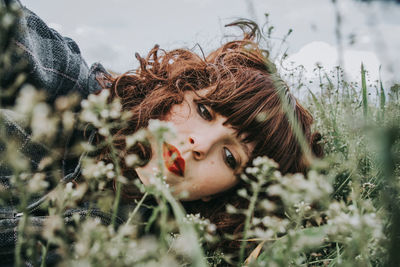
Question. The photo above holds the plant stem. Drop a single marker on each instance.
(22, 222)
(44, 254)
(364, 92)
(115, 161)
(163, 222)
(20, 240)
(136, 209)
(116, 203)
(186, 229)
(249, 214)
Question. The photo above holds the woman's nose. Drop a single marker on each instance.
(201, 145)
(199, 150)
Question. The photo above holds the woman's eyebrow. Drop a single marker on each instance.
(245, 149)
(240, 139)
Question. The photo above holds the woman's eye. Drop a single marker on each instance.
(230, 159)
(203, 111)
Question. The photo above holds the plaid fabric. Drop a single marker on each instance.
(32, 151)
(54, 63)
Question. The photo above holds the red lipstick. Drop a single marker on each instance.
(173, 160)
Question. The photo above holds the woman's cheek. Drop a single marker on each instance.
(217, 179)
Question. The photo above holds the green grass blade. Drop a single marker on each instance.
(382, 99)
(364, 92)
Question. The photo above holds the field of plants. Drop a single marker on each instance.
(344, 212)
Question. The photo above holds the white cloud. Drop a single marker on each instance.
(85, 30)
(326, 55)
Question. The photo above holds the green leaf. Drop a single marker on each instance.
(314, 236)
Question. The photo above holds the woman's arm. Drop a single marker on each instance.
(54, 62)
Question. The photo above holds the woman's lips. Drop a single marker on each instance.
(173, 160)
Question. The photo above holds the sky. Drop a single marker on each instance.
(112, 31)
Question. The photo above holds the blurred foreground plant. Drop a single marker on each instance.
(344, 212)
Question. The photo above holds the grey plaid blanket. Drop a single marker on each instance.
(53, 63)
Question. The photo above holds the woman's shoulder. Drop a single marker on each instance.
(53, 62)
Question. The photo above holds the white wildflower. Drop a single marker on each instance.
(104, 94)
(185, 244)
(139, 136)
(79, 192)
(263, 234)
(104, 113)
(211, 228)
(302, 207)
(104, 131)
(161, 129)
(98, 169)
(43, 126)
(52, 224)
(122, 179)
(127, 230)
(85, 146)
(109, 166)
(265, 162)
(268, 205)
(276, 224)
(88, 115)
(256, 220)
(115, 110)
(96, 110)
(68, 120)
(7, 20)
(131, 160)
(275, 190)
(110, 174)
(96, 174)
(252, 170)
(27, 99)
(69, 187)
(85, 104)
(231, 209)
(45, 162)
(37, 183)
(243, 193)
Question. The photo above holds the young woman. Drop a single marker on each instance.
(228, 108)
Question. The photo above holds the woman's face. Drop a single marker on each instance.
(206, 156)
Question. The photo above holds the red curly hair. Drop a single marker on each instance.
(243, 86)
